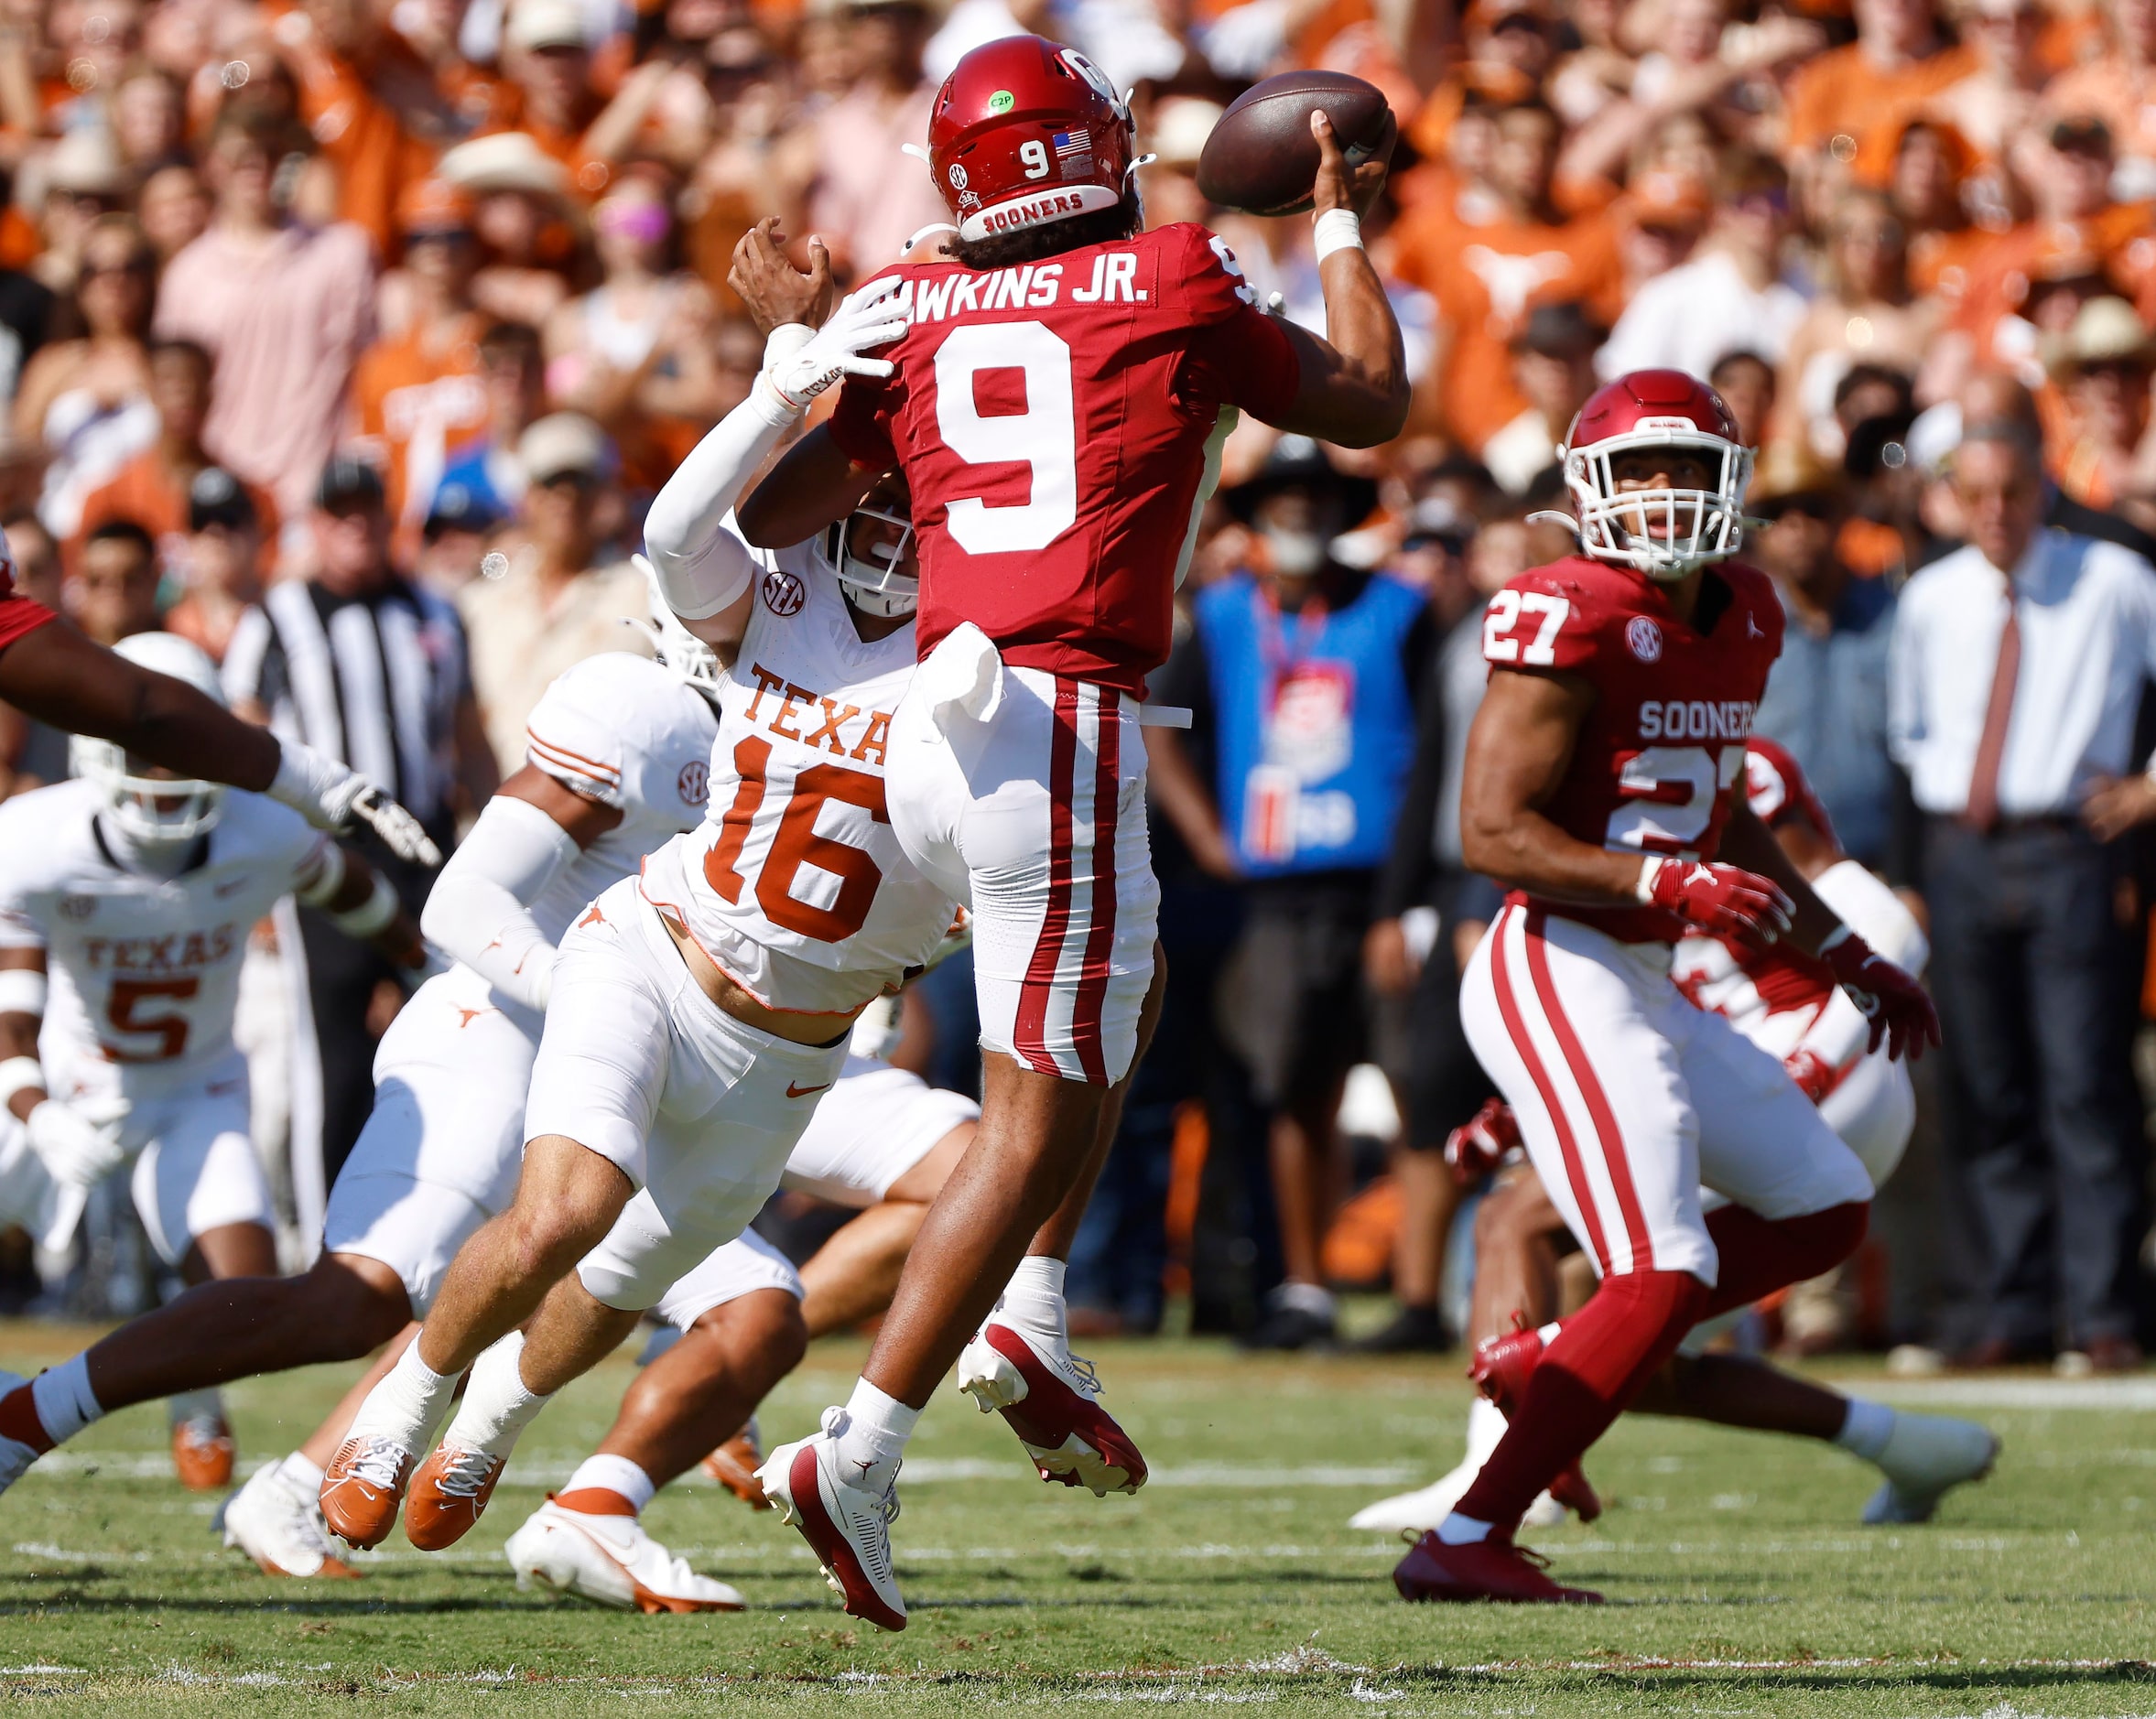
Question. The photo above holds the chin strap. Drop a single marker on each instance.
(1551, 516)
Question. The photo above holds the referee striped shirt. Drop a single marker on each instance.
(373, 680)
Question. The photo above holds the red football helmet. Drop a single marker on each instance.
(1024, 131)
(1775, 787)
(1663, 533)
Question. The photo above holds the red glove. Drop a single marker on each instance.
(1896, 1005)
(1481, 1143)
(1722, 900)
(1814, 1077)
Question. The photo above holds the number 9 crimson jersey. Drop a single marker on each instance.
(795, 884)
(1661, 754)
(1059, 425)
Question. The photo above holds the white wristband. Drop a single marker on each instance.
(17, 1073)
(1649, 867)
(22, 991)
(1336, 229)
(372, 915)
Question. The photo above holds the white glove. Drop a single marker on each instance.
(863, 321)
(328, 795)
(80, 1142)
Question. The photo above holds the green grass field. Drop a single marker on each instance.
(1738, 1580)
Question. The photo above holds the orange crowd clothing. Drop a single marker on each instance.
(1842, 95)
(151, 492)
(2002, 273)
(589, 175)
(416, 398)
(2109, 89)
(1486, 277)
(1940, 264)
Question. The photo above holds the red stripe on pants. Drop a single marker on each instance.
(1508, 1008)
(1100, 937)
(1591, 1091)
(1029, 1032)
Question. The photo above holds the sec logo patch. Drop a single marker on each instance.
(783, 594)
(1644, 638)
(694, 782)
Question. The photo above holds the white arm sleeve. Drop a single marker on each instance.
(479, 908)
(702, 565)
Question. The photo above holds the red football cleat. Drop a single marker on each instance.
(1501, 1369)
(1051, 1400)
(1490, 1569)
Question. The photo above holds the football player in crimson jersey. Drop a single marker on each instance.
(1057, 401)
(1600, 786)
(1790, 1006)
(54, 674)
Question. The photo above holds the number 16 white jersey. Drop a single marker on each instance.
(795, 884)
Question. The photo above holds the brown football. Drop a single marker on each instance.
(1261, 159)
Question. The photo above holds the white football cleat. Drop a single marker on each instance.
(1051, 1400)
(1410, 1515)
(848, 1527)
(1925, 1456)
(278, 1523)
(611, 1561)
(15, 1456)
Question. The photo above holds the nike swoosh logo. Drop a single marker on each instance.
(802, 1092)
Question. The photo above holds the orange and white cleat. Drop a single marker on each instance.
(1493, 1569)
(363, 1486)
(278, 1524)
(203, 1453)
(1051, 1400)
(611, 1561)
(1501, 1369)
(847, 1527)
(734, 1464)
(449, 1493)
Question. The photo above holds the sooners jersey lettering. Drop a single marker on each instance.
(1663, 750)
(795, 883)
(144, 971)
(1059, 425)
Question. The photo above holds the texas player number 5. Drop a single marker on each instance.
(1506, 609)
(1044, 436)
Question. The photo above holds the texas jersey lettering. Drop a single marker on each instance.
(1662, 751)
(795, 884)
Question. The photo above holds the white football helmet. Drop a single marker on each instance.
(877, 585)
(154, 808)
(679, 650)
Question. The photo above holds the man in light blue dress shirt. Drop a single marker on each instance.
(2012, 708)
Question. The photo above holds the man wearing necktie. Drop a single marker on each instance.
(2019, 664)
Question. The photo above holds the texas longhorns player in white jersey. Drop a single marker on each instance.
(126, 898)
(697, 1012)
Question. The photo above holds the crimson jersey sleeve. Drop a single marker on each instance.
(1543, 620)
(18, 614)
(1239, 356)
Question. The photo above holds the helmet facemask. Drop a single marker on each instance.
(155, 810)
(869, 551)
(1663, 533)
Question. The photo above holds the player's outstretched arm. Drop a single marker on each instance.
(814, 482)
(1355, 386)
(478, 910)
(59, 677)
(360, 902)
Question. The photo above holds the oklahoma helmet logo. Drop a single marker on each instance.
(783, 594)
(694, 784)
(1644, 638)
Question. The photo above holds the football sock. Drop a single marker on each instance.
(497, 1406)
(408, 1405)
(65, 1402)
(1597, 1364)
(1461, 1531)
(189, 1405)
(303, 1472)
(1866, 1432)
(1034, 1297)
(607, 1485)
(1486, 1427)
(873, 1437)
(1761, 1255)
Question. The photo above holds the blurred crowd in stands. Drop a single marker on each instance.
(408, 306)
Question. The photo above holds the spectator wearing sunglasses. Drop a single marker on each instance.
(1826, 698)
